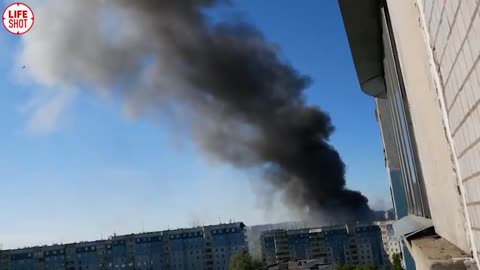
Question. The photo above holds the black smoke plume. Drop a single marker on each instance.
(243, 103)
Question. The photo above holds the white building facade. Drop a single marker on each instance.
(422, 57)
(391, 243)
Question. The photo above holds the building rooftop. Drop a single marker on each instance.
(126, 236)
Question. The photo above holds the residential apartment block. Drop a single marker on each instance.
(419, 59)
(349, 244)
(208, 247)
(391, 243)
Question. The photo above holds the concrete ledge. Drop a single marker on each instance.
(436, 253)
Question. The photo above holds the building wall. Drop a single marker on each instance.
(434, 150)
(369, 245)
(453, 29)
(391, 244)
(184, 249)
(285, 245)
(208, 247)
(409, 263)
(268, 249)
(397, 188)
(225, 243)
(336, 239)
(392, 162)
(398, 193)
(356, 245)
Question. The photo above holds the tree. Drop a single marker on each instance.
(243, 261)
(397, 262)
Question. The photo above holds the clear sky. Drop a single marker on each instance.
(98, 173)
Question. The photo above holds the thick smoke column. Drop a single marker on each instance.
(242, 102)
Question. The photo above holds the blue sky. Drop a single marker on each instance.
(99, 173)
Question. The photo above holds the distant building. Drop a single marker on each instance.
(208, 248)
(366, 240)
(391, 243)
(254, 232)
(335, 241)
(275, 247)
(356, 244)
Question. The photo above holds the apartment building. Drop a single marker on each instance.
(349, 244)
(391, 243)
(420, 60)
(208, 247)
(274, 246)
(367, 244)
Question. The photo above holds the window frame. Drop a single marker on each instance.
(417, 201)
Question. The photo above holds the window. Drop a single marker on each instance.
(403, 131)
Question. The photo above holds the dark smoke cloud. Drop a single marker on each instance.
(242, 102)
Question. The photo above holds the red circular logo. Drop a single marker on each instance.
(18, 18)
